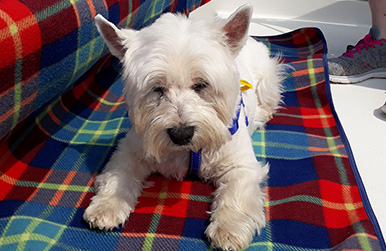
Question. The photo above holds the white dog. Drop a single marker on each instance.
(182, 88)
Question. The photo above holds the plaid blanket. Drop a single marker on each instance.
(315, 197)
(45, 46)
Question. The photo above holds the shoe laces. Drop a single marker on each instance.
(365, 43)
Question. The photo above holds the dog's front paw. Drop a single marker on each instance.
(235, 230)
(226, 239)
(106, 213)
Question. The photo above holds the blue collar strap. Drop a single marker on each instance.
(194, 164)
(235, 122)
(195, 157)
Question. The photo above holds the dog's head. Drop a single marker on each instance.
(181, 79)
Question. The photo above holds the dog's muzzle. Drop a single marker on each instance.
(181, 135)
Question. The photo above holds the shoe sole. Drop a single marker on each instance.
(383, 108)
(378, 73)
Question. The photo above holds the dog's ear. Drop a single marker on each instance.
(236, 28)
(117, 40)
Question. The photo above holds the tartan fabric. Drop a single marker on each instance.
(314, 201)
(45, 46)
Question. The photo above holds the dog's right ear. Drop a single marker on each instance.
(117, 40)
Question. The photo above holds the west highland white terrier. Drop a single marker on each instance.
(182, 88)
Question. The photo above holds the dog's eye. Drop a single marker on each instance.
(159, 89)
(200, 86)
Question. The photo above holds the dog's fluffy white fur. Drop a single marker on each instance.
(183, 74)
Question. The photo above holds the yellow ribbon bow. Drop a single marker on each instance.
(245, 85)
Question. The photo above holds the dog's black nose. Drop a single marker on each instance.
(181, 135)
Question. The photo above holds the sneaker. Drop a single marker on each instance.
(383, 108)
(367, 59)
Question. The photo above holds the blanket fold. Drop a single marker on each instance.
(46, 46)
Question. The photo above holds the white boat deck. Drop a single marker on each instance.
(358, 106)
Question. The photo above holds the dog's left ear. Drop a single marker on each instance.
(236, 28)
